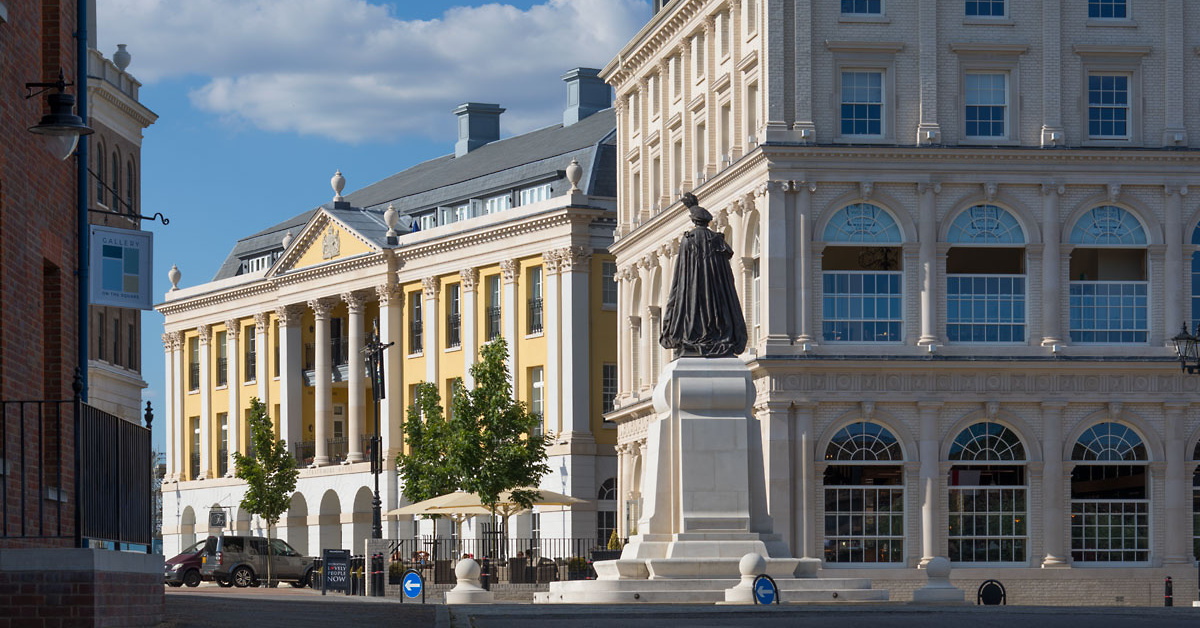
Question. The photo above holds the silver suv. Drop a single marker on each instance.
(242, 561)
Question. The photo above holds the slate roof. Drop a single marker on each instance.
(539, 156)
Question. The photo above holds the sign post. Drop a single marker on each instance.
(765, 591)
(412, 585)
(336, 567)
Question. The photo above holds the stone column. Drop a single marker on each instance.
(803, 261)
(205, 404)
(510, 269)
(1051, 262)
(431, 289)
(553, 333)
(182, 433)
(391, 408)
(168, 340)
(1053, 504)
(574, 266)
(624, 336)
(1178, 548)
(233, 330)
(356, 387)
(470, 314)
(927, 234)
(653, 349)
(262, 373)
(775, 422)
(622, 487)
(322, 380)
(1173, 266)
(803, 457)
(291, 411)
(930, 469)
(773, 265)
(1052, 24)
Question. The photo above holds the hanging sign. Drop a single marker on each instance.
(120, 267)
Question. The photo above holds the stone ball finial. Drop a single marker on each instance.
(574, 174)
(287, 239)
(390, 217)
(338, 182)
(938, 568)
(467, 569)
(752, 564)
(121, 57)
(174, 276)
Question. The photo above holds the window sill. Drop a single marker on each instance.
(987, 141)
(863, 19)
(988, 21)
(864, 139)
(249, 382)
(608, 307)
(418, 354)
(275, 379)
(221, 387)
(457, 347)
(1111, 22)
(1108, 142)
(539, 334)
(194, 392)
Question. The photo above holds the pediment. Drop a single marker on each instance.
(323, 240)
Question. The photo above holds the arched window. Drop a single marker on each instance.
(1196, 504)
(116, 181)
(989, 512)
(606, 514)
(862, 282)
(864, 496)
(99, 173)
(608, 490)
(129, 187)
(1110, 497)
(1109, 291)
(985, 277)
(1195, 281)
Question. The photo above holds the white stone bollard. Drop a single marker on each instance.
(751, 566)
(939, 590)
(468, 591)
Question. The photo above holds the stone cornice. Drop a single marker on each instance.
(666, 26)
(109, 94)
(534, 224)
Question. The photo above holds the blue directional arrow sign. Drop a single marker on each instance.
(765, 591)
(412, 584)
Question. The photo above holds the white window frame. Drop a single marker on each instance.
(991, 59)
(865, 57)
(876, 18)
(1099, 60)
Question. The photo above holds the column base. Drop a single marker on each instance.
(925, 341)
(203, 475)
(353, 457)
(1055, 562)
(320, 461)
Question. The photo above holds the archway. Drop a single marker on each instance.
(361, 528)
(297, 524)
(187, 527)
(330, 524)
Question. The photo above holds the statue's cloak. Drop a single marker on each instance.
(704, 316)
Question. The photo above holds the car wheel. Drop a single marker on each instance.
(302, 582)
(242, 577)
(175, 584)
(192, 578)
(224, 583)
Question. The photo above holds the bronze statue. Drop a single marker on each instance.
(703, 317)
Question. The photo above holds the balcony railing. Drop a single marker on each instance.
(194, 376)
(508, 560)
(493, 321)
(339, 354)
(304, 451)
(337, 449)
(535, 316)
(453, 331)
(222, 461)
(222, 371)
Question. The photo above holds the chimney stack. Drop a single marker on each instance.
(586, 94)
(478, 124)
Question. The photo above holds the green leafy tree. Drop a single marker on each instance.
(269, 472)
(426, 471)
(493, 435)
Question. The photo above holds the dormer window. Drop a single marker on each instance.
(258, 263)
(535, 194)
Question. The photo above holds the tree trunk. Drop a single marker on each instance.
(268, 554)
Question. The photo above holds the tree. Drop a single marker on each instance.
(269, 472)
(426, 471)
(494, 434)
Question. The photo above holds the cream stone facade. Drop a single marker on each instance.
(962, 234)
(506, 238)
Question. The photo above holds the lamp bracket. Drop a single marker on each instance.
(157, 215)
(61, 85)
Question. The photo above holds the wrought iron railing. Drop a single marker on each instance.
(416, 337)
(44, 495)
(493, 320)
(453, 331)
(337, 449)
(195, 465)
(304, 451)
(505, 560)
(339, 353)
(535, 316)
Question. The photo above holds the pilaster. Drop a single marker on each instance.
(233, 329)
(206, 422)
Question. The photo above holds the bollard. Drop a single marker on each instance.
(1168, 592)
(486, 576)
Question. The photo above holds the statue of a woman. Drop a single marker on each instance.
(703, 317)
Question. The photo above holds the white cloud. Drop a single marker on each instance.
(355, 71)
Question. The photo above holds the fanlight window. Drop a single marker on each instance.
(608, 490)
(1108, 225)
(985, 224)
(863, 222)
(1109, 442)
(864, 441)
(987, 441)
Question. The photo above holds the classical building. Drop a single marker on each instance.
(504, 238)
(962, 232)
(118, 118)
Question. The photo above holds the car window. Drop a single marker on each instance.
(210, 545)
(195, 547)
(234, 545)
(279, 548)
(258, 546)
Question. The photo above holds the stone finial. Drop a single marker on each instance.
(173, 275)
(121, 57)
(287, 239)
(468, 591)
(574, 174)
(390, 217)
(338, 182)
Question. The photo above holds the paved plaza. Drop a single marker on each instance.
(209, 606)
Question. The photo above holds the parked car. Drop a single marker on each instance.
(242, 561)
(184, 568)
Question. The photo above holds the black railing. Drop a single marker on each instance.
(339, 353)
(222, 371)
(416, 340)
(46, 443)
(222, 462)
(195, 466)
(338, 449)
(304, 451)
(453, 331)
(535, 316)
(493, 320)
(194, 376)
(504, 560)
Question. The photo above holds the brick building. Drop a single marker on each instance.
(962, 233)
(44, 579)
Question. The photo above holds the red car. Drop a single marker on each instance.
(185, 567)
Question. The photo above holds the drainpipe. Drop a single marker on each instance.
(81, 161)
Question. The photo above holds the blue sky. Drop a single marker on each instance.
(260, 101)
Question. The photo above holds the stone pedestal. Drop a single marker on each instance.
(468, 591)
(939, 590)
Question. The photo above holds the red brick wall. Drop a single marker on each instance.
(35, 599)
(38, 229)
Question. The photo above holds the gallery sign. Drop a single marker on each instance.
(120, 267)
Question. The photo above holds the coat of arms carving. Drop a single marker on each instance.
(331, 245)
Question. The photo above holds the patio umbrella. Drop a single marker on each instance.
(443, 505)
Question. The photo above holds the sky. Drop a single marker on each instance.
(260, 101)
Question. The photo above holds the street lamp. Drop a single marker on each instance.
(1187, 350)
(373, 354)
(61, 127)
